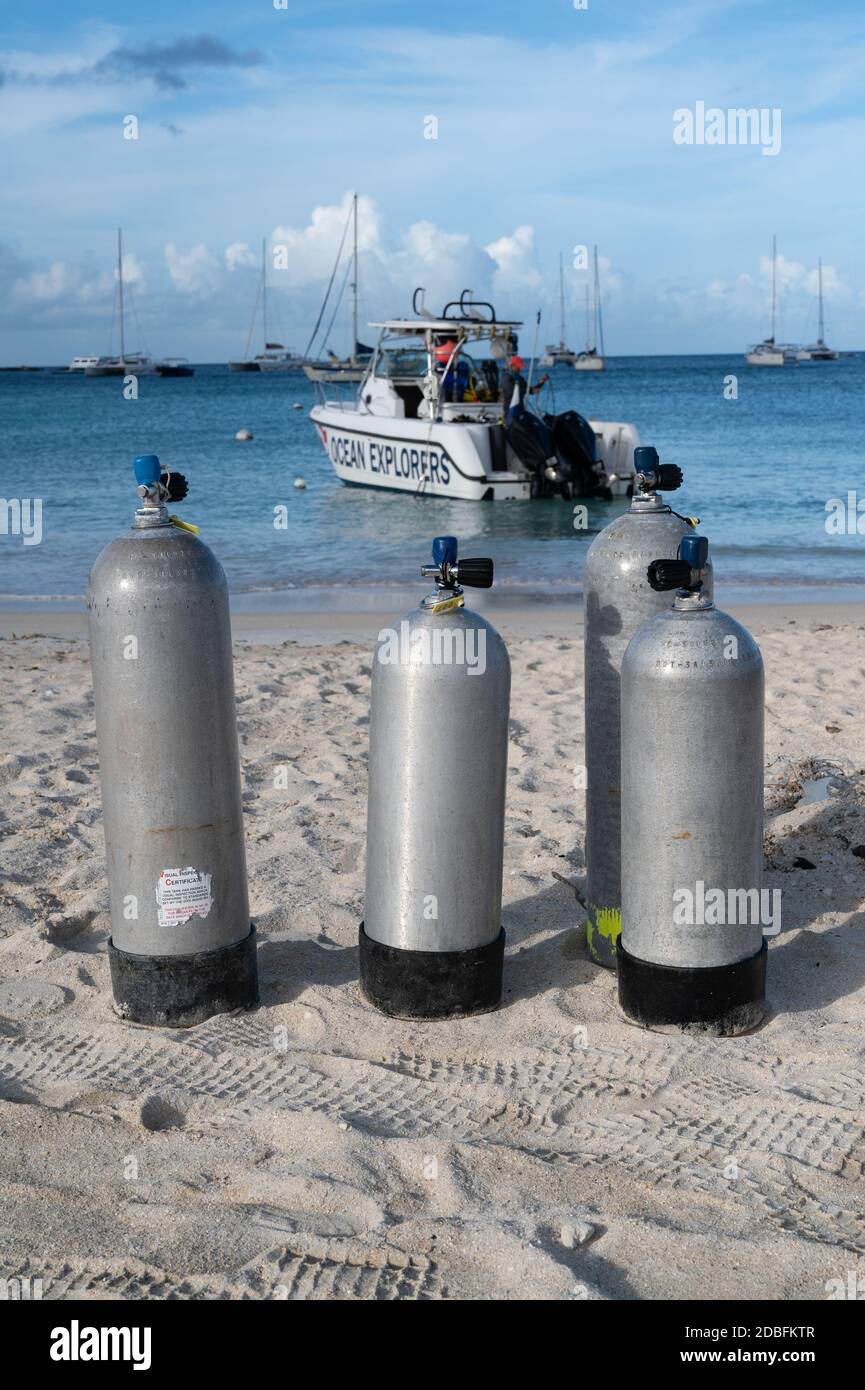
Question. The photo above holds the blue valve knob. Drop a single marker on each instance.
(444, 550)
(147, 470)
(694, 550)
(645, 459)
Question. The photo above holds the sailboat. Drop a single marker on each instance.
(274, 358)
(127, 363)
(334, 369)
(769, 353)
(559, 353)
(818, 352)
(590, 360)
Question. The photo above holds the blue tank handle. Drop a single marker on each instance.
(694, 550)
(444, 550)
(147, 470)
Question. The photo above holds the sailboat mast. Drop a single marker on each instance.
(598, 319)
(264, 288)
(820, 284)
(774, 257)
(588, 320)
(120, 281)
(354, 290)
(561, 302)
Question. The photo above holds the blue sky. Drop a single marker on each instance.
(555, 129)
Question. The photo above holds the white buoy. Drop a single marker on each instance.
(244, 434)
(300, 482)
(296, 405)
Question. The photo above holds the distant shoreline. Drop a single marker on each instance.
(611, 357)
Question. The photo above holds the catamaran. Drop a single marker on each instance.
(127, 363)
(428, 419)
(559, 354)
(769, 353)
(819, 351)
(275, 357)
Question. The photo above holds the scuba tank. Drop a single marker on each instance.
(182, 947)
(431, 942)
(692, 953)
(617, 600)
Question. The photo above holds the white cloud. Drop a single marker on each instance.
(515, 263)
(194, 271)
(64, 282)
(311, 250)
(239, 254)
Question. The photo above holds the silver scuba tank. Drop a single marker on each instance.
(182, 947)
(692, 952)
(617, 600)
(431, 942)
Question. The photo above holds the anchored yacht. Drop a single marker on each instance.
(819, 351)
(769, 353)
(428, 419)
(590, 360)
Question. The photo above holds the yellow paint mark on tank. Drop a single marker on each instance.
(685, 835)
(604, 922)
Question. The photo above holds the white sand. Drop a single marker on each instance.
(315, 1149)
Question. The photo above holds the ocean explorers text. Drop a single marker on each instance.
(391, 460)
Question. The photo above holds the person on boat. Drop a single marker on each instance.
(515, 389)
(446, 366)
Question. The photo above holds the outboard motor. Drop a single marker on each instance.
(617, 600)
(431, 942)
(577, 448)
(531, 441)
(692, 953)
(182, 947)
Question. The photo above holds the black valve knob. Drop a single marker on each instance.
(669, 477)
(175, 485)
(669, 574)
(475, 574)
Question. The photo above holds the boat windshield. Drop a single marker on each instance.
(402, 363)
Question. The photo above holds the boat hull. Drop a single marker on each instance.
(427, 458)
(765, 359)
(443, 458)
(589, 364)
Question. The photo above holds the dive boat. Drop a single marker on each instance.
(428, 419)
(819, 351)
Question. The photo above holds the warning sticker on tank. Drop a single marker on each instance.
(181, 894)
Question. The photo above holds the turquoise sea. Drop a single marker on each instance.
(759, 472)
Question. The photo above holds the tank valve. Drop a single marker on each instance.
(652, 475)
(450, 573)
(687, 572)
(155, 486)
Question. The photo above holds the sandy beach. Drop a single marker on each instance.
(313, 1149)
